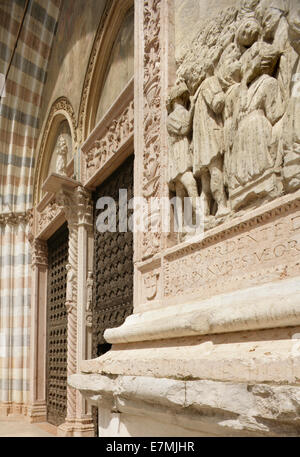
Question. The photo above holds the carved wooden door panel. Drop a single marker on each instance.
(57, 327)
(113, 266)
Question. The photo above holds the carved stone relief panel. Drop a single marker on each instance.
(259, 249)
(109, 141)
(233, 112)
(48, 215)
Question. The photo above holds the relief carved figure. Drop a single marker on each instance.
(62, 156)
(110, 141)
(179, 126)
(253, 151)
(292, 120)
(208, 142)
(229, 75)
(242, 74)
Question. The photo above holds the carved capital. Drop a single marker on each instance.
(67, 200)
(76, 204)
(14, 218)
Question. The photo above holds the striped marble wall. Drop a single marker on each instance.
(14, 310)
(19, 126)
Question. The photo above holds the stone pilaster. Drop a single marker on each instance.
(39, 266)
(155, 72)
(77, 209)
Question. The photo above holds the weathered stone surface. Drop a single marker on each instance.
(204, 406)
(268, 306)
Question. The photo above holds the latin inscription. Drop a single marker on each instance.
(269, 251)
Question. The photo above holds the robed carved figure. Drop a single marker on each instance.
(254, 149)
(291, 171)
(179, 125)
(208, 142)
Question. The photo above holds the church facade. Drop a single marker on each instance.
(150, 216)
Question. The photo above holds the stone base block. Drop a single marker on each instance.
(37, 412)
(166, 407)
(76, 428)
(13, 409)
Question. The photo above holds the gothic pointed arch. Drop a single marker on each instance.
(101, 55)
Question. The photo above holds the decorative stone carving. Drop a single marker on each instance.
(251, 172)
(61, 106)
(292, 125)
(89, 301)
(71, 278)
(152, 117)
(244, 140)
(89, 288)
(117, 134)
(51, 211)
(179, 126)
(62, 154)
(208, 142)
(14, 218)
(68, 200)
(239, 254)
(151, 284)
(39, 252)
(89, 319)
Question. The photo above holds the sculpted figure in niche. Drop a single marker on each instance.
(291, 172)
(253, 151)
(179, 126)
(208, 143)
(61, 156)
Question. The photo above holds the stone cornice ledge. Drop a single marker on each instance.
(202, 406)
(267, 306)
